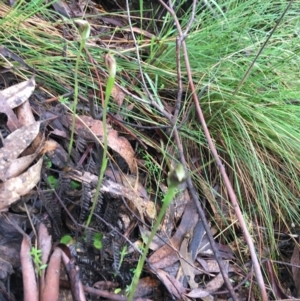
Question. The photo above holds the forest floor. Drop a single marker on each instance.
(149, 151)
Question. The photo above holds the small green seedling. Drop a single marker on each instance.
(123, 253)
(75, 185)
(66, 239)
(53, 181)
(36, 255)
(63, 100)
(47, 162)
(97, 241)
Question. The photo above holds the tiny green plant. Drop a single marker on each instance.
(66, 239)
(97, 241)
(47, 162)
(75, 185)
(53, 181)
(63, 100)
(175, 179)
(36, 255)
(123, 253)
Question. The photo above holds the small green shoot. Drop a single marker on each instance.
(75, 185)
(47, 162)
(53, 181)
(63, 100)
(66, 239)
(36, 255)
(123, 253)
(97, 241)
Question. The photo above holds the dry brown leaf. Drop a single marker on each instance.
(19, 93)
(13, 189)
(156, 242)
(143, 204)
(9, 54)
(211, 266)
(17, 166)
(15, 144)
(118, 95)
(129, 181)
(118, 144)
(12, 120)
(171, 283)
(187, 264)
(146, 286)
(211, 287)
(166, 256)
(51, 288)
(25, 114)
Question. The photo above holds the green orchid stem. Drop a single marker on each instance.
(166, 201)
(108, 90)
(82, 44)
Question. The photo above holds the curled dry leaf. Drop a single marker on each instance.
(171, 283)
(115, 142)
(14, 188)
(14, 145)
(19, 93)
(211, 287)
(166, 256)
(17, 166)
(12, 120)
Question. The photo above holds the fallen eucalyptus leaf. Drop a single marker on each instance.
(86, 125)
(14, 188)
(15, 144)
(19, 93)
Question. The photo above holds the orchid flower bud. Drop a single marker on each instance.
(111, 65)
(84, 28)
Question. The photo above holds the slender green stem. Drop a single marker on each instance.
(82, 44)
(109, 87)
(167, 200)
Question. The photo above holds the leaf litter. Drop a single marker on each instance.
(19, 177)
